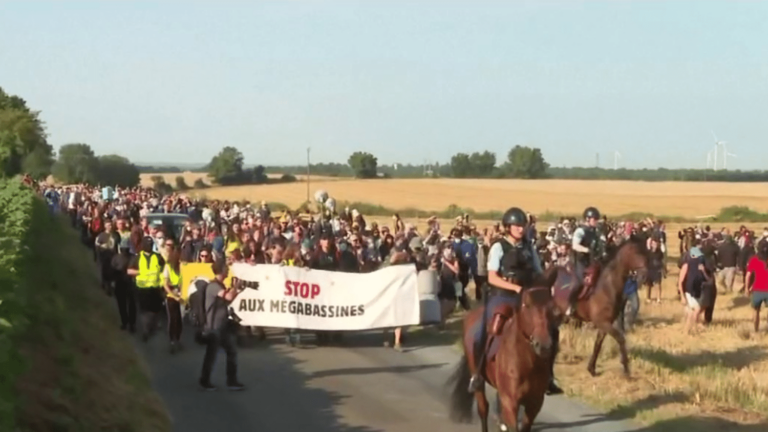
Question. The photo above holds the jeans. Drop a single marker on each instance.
(494, 300)
(173, 307)
(225, 339)
(630, 309)
(126, 302)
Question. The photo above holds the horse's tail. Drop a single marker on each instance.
(461, 399)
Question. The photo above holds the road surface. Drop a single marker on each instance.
(361, 387)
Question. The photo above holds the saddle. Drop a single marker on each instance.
(499, 319)
(591, 274)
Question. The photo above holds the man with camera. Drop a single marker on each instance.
(219, 331)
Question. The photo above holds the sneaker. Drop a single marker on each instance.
(235, 386)
(206, 386)
(398, 347)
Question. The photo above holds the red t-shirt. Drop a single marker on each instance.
(760, 269)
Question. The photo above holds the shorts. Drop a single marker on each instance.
(759, 298)
(693, 302)
(150, 299)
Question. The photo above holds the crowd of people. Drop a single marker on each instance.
(115, 224)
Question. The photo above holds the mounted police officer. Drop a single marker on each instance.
(585, 247)
(512, 264)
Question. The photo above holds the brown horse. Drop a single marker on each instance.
(601, 304)
(517, 365)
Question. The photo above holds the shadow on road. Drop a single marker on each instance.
(278, 398)
(623, 412)
(373, 370)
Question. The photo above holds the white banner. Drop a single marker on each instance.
(299, 298)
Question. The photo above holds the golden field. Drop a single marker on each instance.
(536, 196)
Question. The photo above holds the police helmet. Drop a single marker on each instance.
(514, 216)
(591, 212)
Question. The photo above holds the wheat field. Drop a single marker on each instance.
(536, 196)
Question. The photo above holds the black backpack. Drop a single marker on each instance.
(197, 309)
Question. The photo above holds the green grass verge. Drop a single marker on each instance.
(65, 364)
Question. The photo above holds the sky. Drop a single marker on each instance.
(416, 81)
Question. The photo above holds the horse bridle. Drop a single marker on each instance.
(528, 338)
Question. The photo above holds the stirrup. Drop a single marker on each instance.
(475, 384)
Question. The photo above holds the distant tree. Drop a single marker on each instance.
(363, 164)
(526, 162)
(76, 164)
(461, 166)
(115, 170)
(199, 184)
(227, 166)
(181, 184)
(483, 164)
(287, 178)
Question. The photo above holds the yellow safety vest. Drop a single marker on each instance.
(149, 274)
(289, 263)
(173, 277)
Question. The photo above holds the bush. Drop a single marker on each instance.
(181, 184)
(22, 217)
(199, 184)
(287, 178)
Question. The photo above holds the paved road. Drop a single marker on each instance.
(362, 387)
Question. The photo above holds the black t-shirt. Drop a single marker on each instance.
(325, 261)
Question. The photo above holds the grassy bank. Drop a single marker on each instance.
(69, 367)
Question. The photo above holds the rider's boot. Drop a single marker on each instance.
(476, 382)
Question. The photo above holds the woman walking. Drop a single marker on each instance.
(172, 279)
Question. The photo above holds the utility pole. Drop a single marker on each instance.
(308, 174)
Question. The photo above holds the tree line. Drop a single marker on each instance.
(24, 149)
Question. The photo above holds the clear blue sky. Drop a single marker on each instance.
(407, 81)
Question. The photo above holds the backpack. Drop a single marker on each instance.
(197, 308)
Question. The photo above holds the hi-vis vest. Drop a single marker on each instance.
(149, 273)
(173, 277)
(289, 262)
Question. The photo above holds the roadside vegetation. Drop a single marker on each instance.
(65, 364)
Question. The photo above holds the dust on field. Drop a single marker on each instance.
(683, 199)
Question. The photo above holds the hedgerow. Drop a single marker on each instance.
(22, 217)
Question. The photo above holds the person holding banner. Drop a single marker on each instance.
(218, 329)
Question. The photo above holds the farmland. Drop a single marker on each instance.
(679, 199)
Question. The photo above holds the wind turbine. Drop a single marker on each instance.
(616, 157)
(726, 155)
(718, 144)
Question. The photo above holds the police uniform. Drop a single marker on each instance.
(520, 264)
(588, 237)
